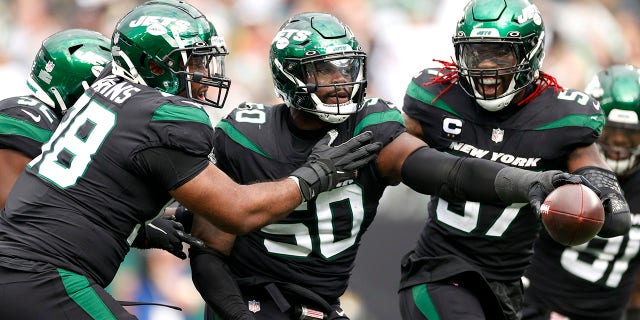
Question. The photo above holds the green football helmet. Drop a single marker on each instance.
(176, 37)
(617, 88)
(308, 47)
(66, 64)
(510, 33)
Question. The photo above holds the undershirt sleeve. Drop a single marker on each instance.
(169, 168)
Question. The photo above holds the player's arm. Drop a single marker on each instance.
(588, 162)
(211, 275)
(413, 126)
(429, 171)
(12, 162)
(233, 207)
(206, 190)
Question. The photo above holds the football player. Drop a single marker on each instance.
(67, 63)
(138, 137)
(299, 267)
(493, 102)
(594, 281)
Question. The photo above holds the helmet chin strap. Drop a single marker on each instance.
(332, 118)
(329, 117)
(131, 74)
(40, 94)
(620, 167)
(58, 97)
(185, 59)
(497, 104)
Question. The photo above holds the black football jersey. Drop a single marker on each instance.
(495, 238)
(79, 204)
(25, 124)
(316, 245)
(593, 280)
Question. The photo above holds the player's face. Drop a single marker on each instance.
(199, 91)
(619, 143)
(334, 79)
(493, 66)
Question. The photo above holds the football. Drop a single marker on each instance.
(572, 214)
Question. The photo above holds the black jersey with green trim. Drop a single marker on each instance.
(315, 246)
(25, 124)
(594, 280)
(87, 184)
(496, 238)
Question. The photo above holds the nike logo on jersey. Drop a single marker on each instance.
(35, 117)
(495, 156)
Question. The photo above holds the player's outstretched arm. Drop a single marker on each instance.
(239, 209)
(429, 171)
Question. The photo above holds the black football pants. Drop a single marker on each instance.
(34, 291)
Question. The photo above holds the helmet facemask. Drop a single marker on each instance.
(171, 46)
(620, 146)
(202, 64)
(617, 89)
(330, 86)
(512, 27)
(493, 70)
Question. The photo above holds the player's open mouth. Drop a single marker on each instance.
(202, 94)
(488, 86)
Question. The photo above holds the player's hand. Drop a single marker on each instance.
(180, 214)
(167, 235)
(328, 166)
(550, 180)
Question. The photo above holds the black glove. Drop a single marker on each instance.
(165, 234)
(550, 180)
(617, 216)
(328, 166)
(184, 217)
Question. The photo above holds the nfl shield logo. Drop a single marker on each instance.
(254, 306)
(497, 135)
(49, 66)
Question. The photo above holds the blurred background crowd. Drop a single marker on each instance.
(401, 36)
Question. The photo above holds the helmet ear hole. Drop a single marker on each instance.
(73, 49)
(155, 68)
(64, 61)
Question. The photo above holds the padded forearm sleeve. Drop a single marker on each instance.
(433, 172)
(513, 184)
(213, 280)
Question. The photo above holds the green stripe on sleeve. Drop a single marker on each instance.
(418, 93)
(595, 122)
(379, 117)
(181, 113)
(240, 138)
(13, 126)
(79, 289)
